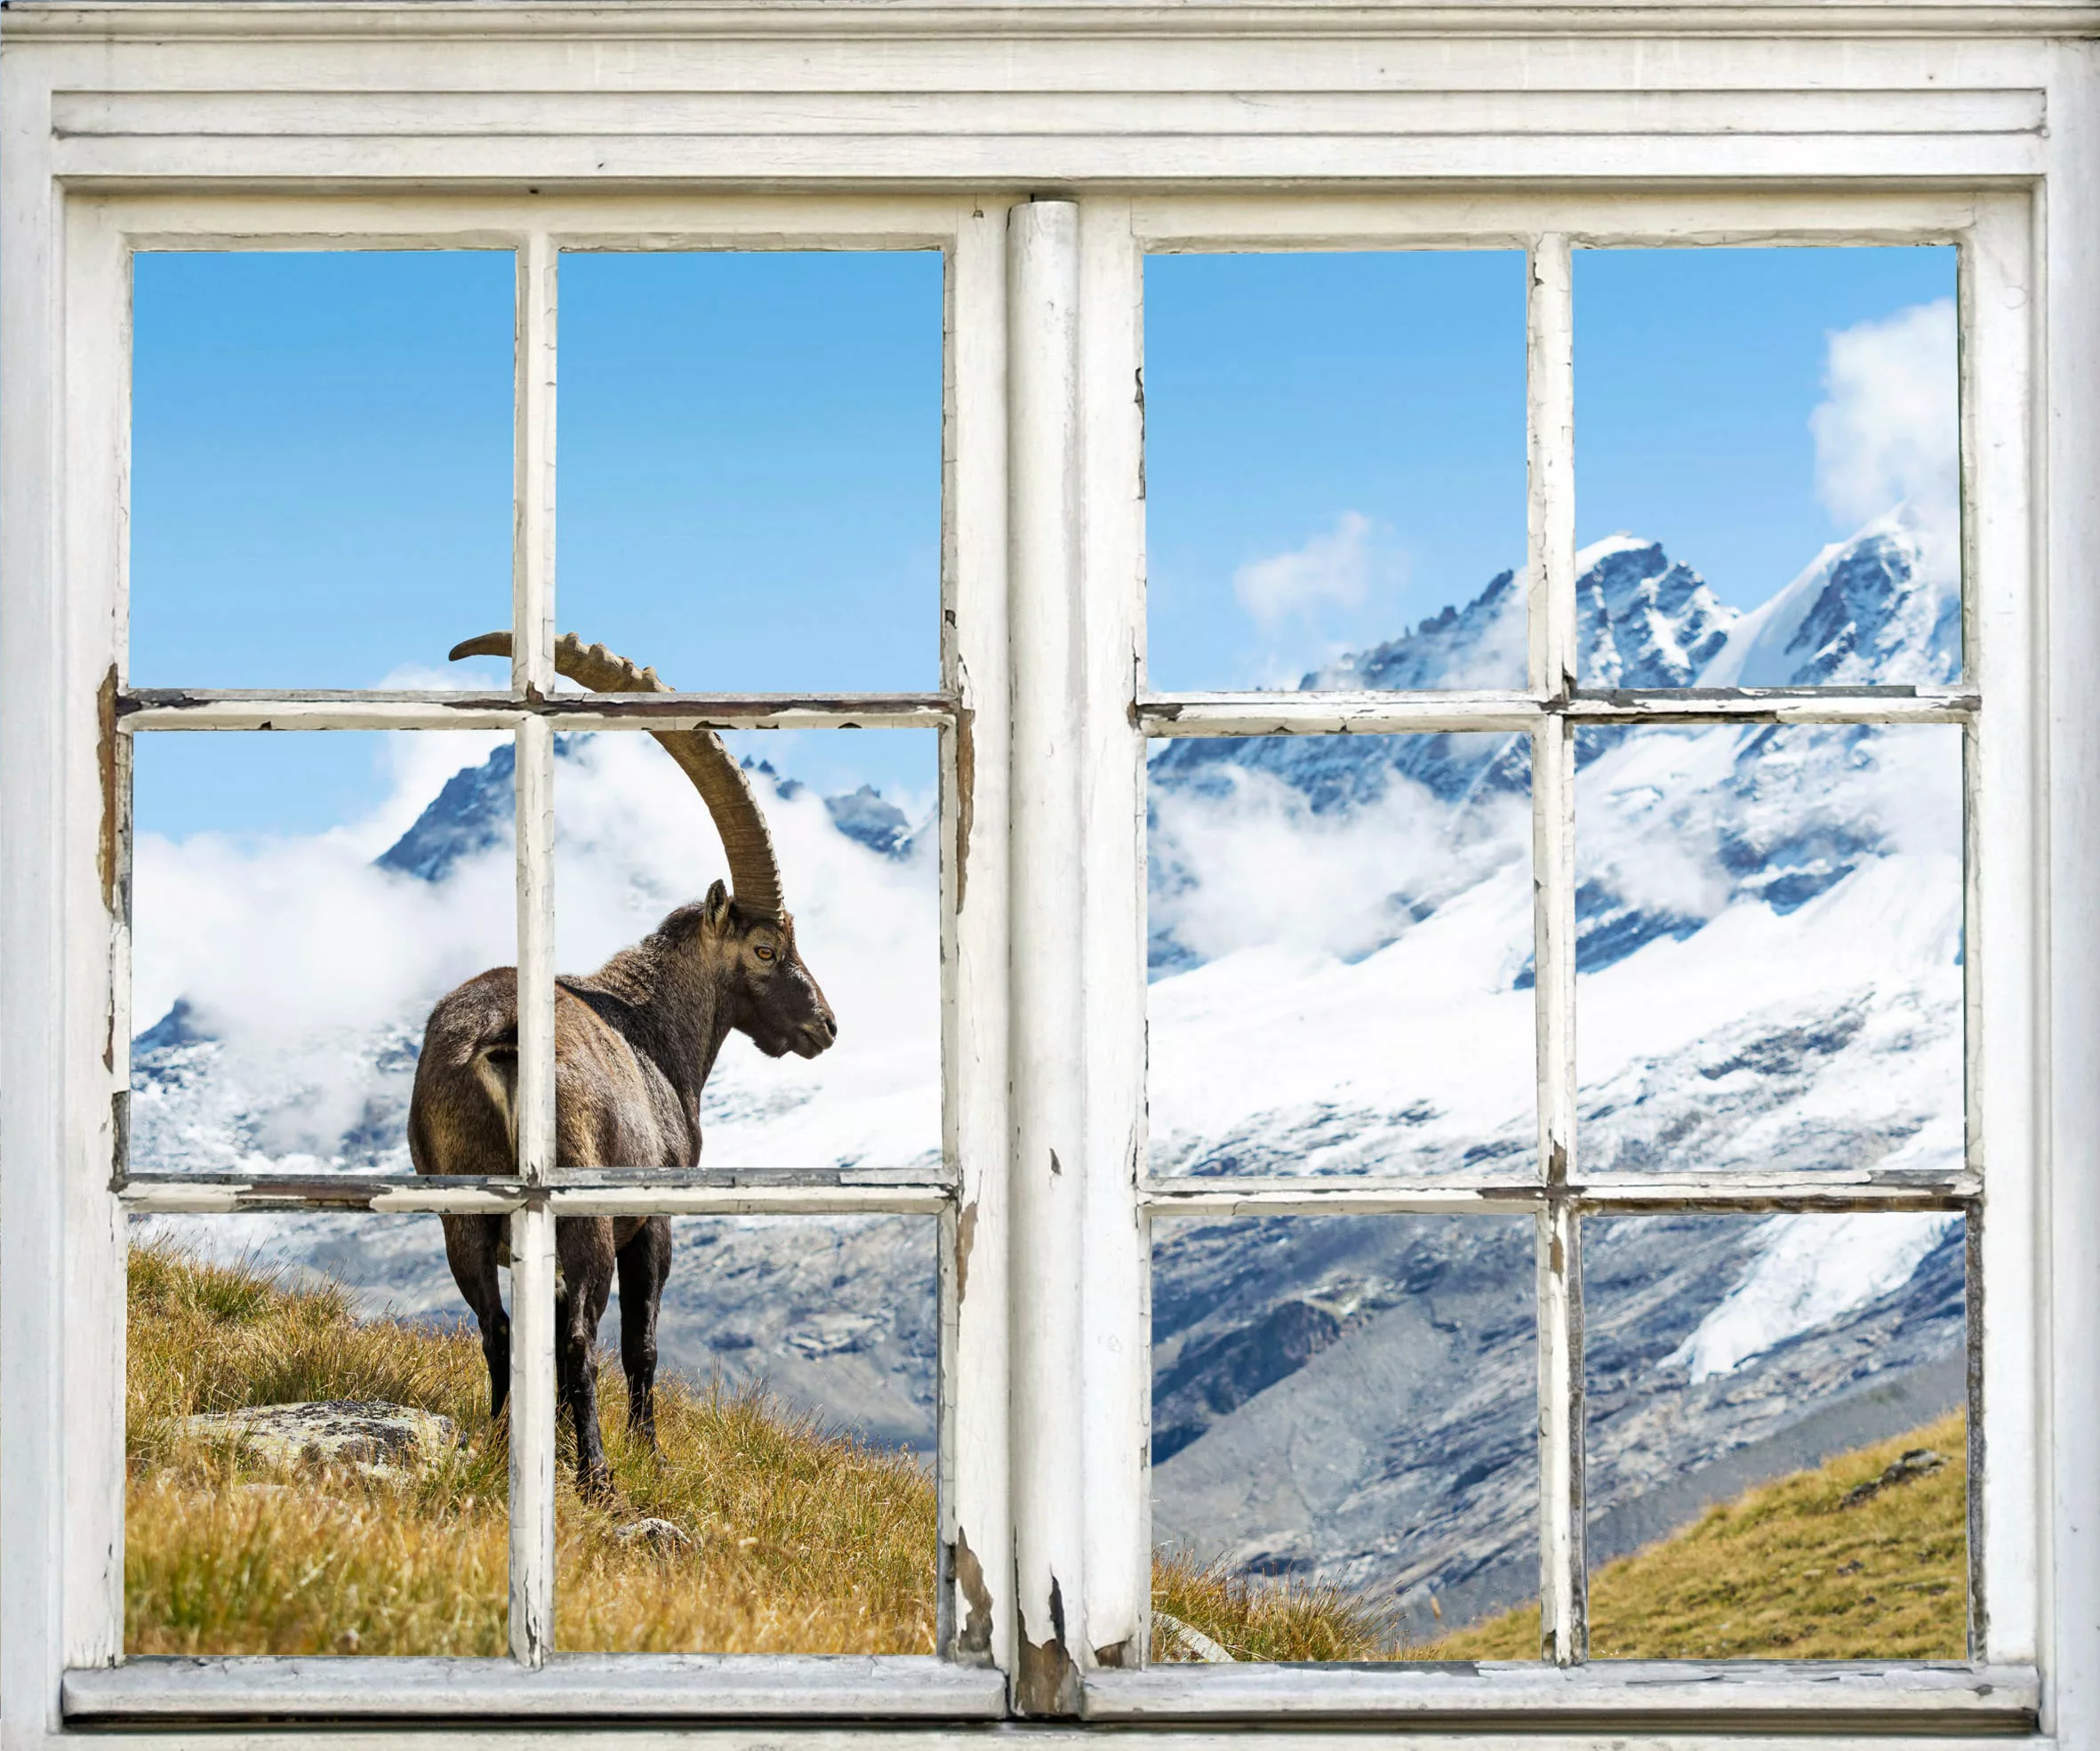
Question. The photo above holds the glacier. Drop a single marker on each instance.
(1770, 976)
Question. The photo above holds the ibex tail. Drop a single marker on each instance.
(495, 1065)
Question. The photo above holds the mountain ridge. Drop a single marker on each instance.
(1716, 855)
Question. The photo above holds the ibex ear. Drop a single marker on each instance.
(718, 904)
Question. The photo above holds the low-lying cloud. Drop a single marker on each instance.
(1888, 431)
(1330, 570)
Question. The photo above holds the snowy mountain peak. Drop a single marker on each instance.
(473, 814)
(1648, 622)
(1874, 610)
(1479, 645)
(1644, 620)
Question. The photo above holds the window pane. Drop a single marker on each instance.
(321, 466)
(1767, 465)
(311, 1466)
(1345, 1431)
(1769, 946)
(750, 465)
(299, 904)
(1776, 1462)
(853, 817)
(788, 1504)
(1334, 471)
(1340, 946)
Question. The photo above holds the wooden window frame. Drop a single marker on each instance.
(1045, 151)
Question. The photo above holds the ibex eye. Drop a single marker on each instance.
(763, 952)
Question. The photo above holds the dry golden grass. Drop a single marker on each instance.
(1254, 1620)
(1784, 1571)
(802, 1540)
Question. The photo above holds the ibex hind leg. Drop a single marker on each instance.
(473, 1247)
(584, 1248)
(645, 1262)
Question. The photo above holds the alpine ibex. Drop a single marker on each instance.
(633, 1045)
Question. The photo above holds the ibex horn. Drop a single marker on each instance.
(753, 872)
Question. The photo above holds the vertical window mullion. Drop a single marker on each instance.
(1118, 1245)
(1048, 1047)
(2008, 920)
(532, 1228)
(1549, 354)
(977, 1531)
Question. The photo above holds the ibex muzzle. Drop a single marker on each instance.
(634, 1043)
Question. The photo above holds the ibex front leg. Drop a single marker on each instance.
(645, 1262)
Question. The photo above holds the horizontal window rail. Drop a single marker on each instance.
(1394, 713)
(1714, 1192)
(182, 708)
(1691, 1696)
(586, 1687)
(702, 1192)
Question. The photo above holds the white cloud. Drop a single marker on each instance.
(1887, 430)
(1261, 867)
(1333, 568)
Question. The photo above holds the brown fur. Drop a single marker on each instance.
(634, 1043)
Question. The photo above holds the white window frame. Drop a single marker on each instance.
(1537, 126)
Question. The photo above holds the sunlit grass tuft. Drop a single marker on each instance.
(1254, 1618)
(800, 1539)
(1785, 1572)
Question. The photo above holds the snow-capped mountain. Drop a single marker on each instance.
(1769, 943)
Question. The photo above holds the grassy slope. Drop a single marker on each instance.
(1785, 1572)
(803, 1540)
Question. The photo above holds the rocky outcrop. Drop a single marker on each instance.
(371, 1436)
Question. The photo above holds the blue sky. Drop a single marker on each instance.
(750, 467)
(1335, 442)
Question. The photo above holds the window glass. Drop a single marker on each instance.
(321, 465)
(785, 1503)
(311, 1468)
(1777, 1464)
(1345, 1433)
(1334, 471)
(1769, 946)
(750, 465)
(290, 937)
(853, 821)
(1340, 949)
(1767, 467)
